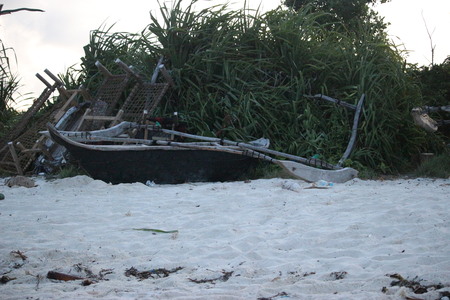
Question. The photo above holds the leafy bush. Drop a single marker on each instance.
(243, 75)
(8, 86)
(70, 171)
(434, 84)
(437, 166)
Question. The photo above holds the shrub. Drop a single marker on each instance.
(243, 75)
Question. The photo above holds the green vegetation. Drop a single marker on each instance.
(434, 82)
(9, 84)
(243, 75)
(70, 171)
(348, 12)
(437, 166)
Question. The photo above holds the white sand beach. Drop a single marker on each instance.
(263, 239)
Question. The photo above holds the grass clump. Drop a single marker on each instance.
(437, 167)
(70, 171)
(242, 75)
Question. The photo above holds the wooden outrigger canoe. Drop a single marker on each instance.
(124, 160)
(108, 156)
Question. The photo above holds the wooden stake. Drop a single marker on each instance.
(15, 158)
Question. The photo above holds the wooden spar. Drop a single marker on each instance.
(311, 162)
(109, 132)
(52, 76)
(430, 109)
(122, 127)
(43, 80)
(308, 173)
(129, 70)
(336, 101)
(59, 84)
(102, 69)
(167, 76)
(352, 141)
(195, 145)
(295, 169)
(15, 158)
(61, 276)
(157, 68)
(161, 164)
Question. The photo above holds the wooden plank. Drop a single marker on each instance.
(86, 113)
(85, 94)
(117, 118)
(63, 109)
(102, 69)
(22, 147)
(308, 161)
(352, 141)
(32, 110)
(43, 80)
(129, 70)
(55, 79)
(15, 158)
(157, 69)
(59, 84)
(336, 101)
(167, 76)
(445, 108)
(295, 169)
(40, 147)
(100, 118)
(4, 148)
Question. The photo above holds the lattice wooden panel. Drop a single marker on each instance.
(27, 144)
(105, 100)
(144, 96)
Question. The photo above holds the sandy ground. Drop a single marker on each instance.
(264, 239)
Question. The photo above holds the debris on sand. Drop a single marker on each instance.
(20, 181)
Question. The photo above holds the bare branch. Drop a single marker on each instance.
(430, 37)
(9, 11)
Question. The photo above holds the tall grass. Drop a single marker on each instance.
(438, 167)
(9, 83)
(241, 74)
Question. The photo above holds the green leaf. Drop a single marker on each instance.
(156, 230)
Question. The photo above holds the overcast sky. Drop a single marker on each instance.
(55, 39)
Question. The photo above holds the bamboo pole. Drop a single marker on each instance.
(336, 101)
(15, 158)
(311, 161)
(351, 143)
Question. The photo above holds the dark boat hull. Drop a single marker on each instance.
(161, 166)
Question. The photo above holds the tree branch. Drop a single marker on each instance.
(9, 11)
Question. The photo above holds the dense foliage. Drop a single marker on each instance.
(435, 83)
(349, 12)
(9, 84)
(243, 75)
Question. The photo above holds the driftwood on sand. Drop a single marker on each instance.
(20, 181)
